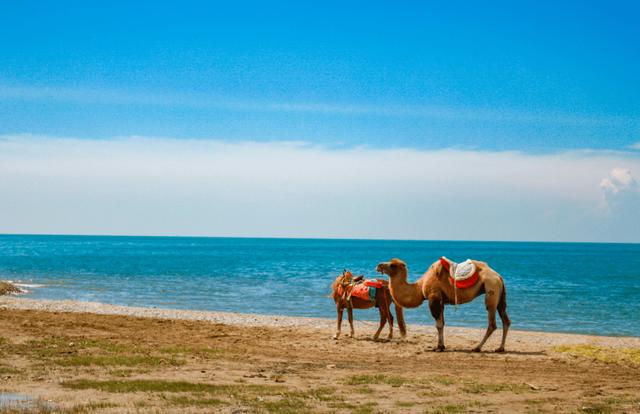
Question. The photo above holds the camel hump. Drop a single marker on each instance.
(464, 270)
(459, 271)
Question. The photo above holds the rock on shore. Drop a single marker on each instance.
(7, 288)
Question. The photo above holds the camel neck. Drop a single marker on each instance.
(407, 295)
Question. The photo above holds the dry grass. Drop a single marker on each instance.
(371, 379)
(89, 363)
(117, 360)
(602, 354)
(127, 386)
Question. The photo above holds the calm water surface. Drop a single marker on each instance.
(561, 287)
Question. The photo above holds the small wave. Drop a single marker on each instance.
(27, 285)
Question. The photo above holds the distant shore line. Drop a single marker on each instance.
(338, 239)
(363, 328)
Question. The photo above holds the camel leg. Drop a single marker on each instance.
(350, 315)
(400, 317)
(383, 321)
(437, 311)
(390, 319)
(339, 310)
(506, 322)
(380, 301)
(491, 313)
(386, 305)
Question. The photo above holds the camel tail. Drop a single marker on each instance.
(502, 304)
(400, 318)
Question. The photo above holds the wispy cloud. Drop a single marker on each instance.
(143, 185)
(621, 193)
(218, 102)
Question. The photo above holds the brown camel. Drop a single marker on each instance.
(342, 288)
(437, 287)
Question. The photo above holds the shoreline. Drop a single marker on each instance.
(520, 338)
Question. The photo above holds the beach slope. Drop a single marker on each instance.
(87, 357)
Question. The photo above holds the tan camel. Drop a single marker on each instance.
(341, 294)
(437, 287)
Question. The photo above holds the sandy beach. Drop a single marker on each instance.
(88, 357)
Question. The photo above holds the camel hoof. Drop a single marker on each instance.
(335, 337)
(499, 350)
(438, 349)
(476, 349)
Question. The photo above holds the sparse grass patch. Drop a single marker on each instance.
(448, 409)
(596, 409)
(405, 404)
(126, 386)
(4, 370)
(367, 408)
(609, 405)
(140, 404)
(394, 381)
(442, 380)
(364, 390)
(187, 350)
(319, 394)
(126, 372)
(91, 407)
(456, 408)
(64, 346)
(603, 354)
(194, 401)
(480, 388)
(285, 405)
(116, 360)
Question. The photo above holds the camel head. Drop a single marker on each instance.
(393, 268)
(345, 278)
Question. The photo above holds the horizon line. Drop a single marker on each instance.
(310, 238)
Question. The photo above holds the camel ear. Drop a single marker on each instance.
(397, 263)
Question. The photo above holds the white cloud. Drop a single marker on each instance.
(142, 185)
(208, 101)
(621, 193)
(635, 146)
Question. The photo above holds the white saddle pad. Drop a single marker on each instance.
(464, 270)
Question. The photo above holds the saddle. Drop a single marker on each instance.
(359, 287)
(464, 274)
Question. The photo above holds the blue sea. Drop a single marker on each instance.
(559, 287)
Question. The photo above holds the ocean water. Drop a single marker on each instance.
(559, 287)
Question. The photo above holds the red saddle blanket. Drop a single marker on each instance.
(362, 290)
(461, 284)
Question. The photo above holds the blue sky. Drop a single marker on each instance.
(508, 86)
(535, 76)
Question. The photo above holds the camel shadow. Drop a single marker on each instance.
(471, 351)
(381, 340)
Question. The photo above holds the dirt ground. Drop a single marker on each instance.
(82, 363)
